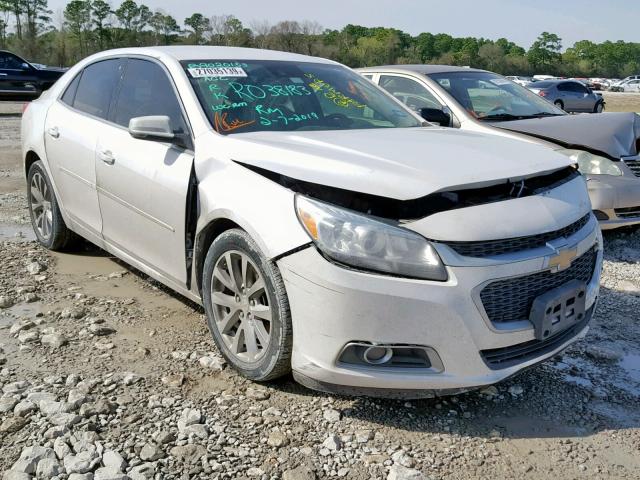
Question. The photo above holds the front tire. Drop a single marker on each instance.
(247, 307)
(46, 218)
(599, 108)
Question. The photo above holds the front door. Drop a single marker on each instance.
(143, 184)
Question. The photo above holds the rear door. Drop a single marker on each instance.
(568, 96)
(71, 134)
(584, 99)
(18, 80)
(143, 184)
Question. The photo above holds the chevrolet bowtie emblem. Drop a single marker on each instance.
(563, 259)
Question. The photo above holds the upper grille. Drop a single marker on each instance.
(634, 166)
(498, 358)
(489, 248)
(630, 212)
(511, 299)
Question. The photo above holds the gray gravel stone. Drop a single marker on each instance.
(398, 472)
(83, 462)
(48, 468)
(107, 473)
(54, 340)
(113, 459)
(300, 473)
(151, 452)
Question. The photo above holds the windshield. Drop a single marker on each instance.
(488, 96)
(259, 95)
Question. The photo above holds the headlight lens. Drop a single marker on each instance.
(365, 243)
(590, 164)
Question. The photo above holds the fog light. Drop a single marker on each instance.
(377, 355)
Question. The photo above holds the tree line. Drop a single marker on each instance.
(31, 29)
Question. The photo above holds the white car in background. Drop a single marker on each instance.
(632, 85)
(522, 81)
(326, 228)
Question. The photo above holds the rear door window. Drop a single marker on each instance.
(70, 93)
(147, 91)
(97, 87)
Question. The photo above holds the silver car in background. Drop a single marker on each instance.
(569, 95)
(605, 146)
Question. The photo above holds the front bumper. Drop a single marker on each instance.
(616, 197)
(332, 306)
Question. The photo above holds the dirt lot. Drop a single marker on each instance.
(621, 102)
(110, 374)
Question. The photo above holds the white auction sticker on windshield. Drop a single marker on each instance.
(500, 81)
(217, 72)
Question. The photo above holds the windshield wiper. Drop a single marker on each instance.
(503, 116)
(546, 114)
(509, 116)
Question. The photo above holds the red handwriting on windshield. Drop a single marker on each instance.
(221, 125)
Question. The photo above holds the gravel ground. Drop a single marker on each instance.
(105, 374)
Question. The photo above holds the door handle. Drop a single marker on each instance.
(54, 132)
(107, 157)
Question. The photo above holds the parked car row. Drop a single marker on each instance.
(628, 84)
(326, 228)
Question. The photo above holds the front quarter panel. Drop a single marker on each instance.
(260, 206)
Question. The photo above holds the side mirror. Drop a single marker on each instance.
(156, 128)
(435, 115)
(25, 66)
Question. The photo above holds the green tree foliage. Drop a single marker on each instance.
(165, 28)
(545, 52)
(93, 25)
(198, 25)
(77, 16)
(101, 12)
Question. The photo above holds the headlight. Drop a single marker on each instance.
(365, 243)
(590, 164)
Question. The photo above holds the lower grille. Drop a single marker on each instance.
(630, 212)
(498, 358)
(634, 166)
(510, 300)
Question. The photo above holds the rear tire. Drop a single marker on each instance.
(247, 307)
(559, 104)
(46, 218)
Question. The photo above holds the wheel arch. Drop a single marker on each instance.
(30, 158)
(204, 239)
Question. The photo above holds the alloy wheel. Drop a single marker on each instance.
(241, 306)
(40, 199)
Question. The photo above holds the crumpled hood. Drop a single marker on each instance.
(399, 163)
(614, 134)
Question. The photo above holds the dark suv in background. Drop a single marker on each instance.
(20, 80)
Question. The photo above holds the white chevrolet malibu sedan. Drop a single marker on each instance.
(325, 228)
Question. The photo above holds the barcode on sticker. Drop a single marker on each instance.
(217, 72)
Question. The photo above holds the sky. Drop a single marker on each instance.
(520, 21)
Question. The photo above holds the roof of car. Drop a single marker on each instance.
(215, 53)
(424, 69)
